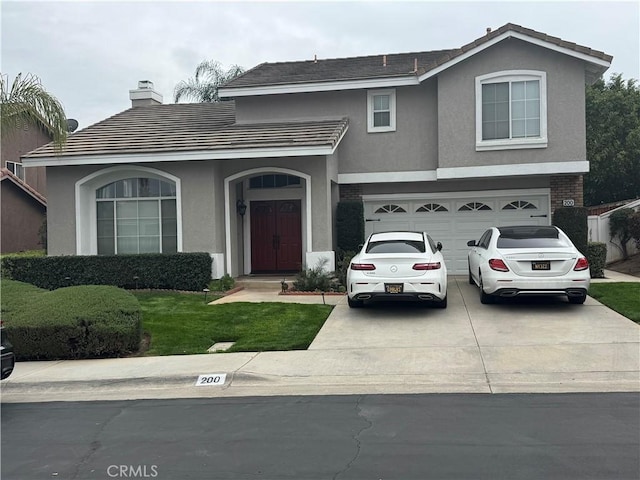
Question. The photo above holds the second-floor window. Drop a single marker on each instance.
(381, 110)
(511, 110)
(16, 169)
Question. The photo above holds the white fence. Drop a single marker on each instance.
(599, 232)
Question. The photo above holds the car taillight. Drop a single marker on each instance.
(363, 266)
(427, 266)
(498, 265)
(581, 264)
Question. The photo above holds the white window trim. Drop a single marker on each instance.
(15, 167)
(85, 202)
(515, 143)
(392, 110)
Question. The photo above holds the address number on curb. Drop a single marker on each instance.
(211, 380)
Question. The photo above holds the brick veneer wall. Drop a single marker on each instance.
(351, 192)
(565, 187)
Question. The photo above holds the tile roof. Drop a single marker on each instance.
(5, 174)
(373, 67)
(190, 127)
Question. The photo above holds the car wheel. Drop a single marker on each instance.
(441, 304)
(579, 300)
(485, 298)
(471, 282)
(354, 303)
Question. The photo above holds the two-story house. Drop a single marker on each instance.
(23, 206)
(448, 141)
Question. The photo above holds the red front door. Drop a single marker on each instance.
(276, 236)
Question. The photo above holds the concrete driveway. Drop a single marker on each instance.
(532, 346)
(513, 346)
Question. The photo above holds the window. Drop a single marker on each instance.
(390, 209)
(274, 181)
(473, 207)
(432, 207)
(137, 215)
(16, 169)
(519, 205)
(511, 110)
(396, 246)
(381, 110)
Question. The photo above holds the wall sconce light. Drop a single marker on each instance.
(241, 207)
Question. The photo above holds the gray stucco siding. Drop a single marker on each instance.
(565, 106)
(413, 146)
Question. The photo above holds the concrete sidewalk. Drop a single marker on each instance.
(548, 346)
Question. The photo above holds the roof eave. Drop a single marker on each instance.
(597, 66)
(327, 148)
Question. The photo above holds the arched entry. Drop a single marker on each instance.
(248, 231)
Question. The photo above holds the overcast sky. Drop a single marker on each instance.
(89, 54)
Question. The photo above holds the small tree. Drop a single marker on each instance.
(634, 228)
(620, 227)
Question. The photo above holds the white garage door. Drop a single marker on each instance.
(455, 219)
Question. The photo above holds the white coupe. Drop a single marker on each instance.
(527, 260)
(398, 266)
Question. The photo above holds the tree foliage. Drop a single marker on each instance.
(613, 141)
(620, 228)
(25, 102)
(204, 85)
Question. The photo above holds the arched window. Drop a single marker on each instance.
(137, 215)
(432, 207)
(519, 205)
(391, 209)
(473, 207)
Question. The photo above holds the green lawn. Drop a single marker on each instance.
(624, 298)
(183, 324)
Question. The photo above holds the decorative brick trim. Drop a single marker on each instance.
(351, 192)
(565, 187)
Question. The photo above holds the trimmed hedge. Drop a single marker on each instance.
(573, 222)
(350, 226)
(597, 257)
(89, 321)
(179, 271)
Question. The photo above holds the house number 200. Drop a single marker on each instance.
(211, 379)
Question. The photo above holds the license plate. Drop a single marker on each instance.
(393, 287)
(540, 266)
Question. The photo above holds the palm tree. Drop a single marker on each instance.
(28, 103)
(203, 87)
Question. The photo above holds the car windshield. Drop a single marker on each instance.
(530, 237)
(396, 246)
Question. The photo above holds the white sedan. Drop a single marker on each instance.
(527, 260)
(398, 266)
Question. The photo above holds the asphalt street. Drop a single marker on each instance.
(434, 436)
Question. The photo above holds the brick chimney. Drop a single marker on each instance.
(145, 95)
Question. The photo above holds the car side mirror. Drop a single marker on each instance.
(439, 246)
(471, 243)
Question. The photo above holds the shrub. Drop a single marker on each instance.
(349, 226)
(316, 279)
(597, 257)
(634, 228)
(619, 227)
(223, 284)
(573, 222)
(344, 259)
(180, 271)
(89, 321)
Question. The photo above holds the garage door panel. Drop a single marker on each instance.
(455, 221)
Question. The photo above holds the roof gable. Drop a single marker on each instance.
(393, 69)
